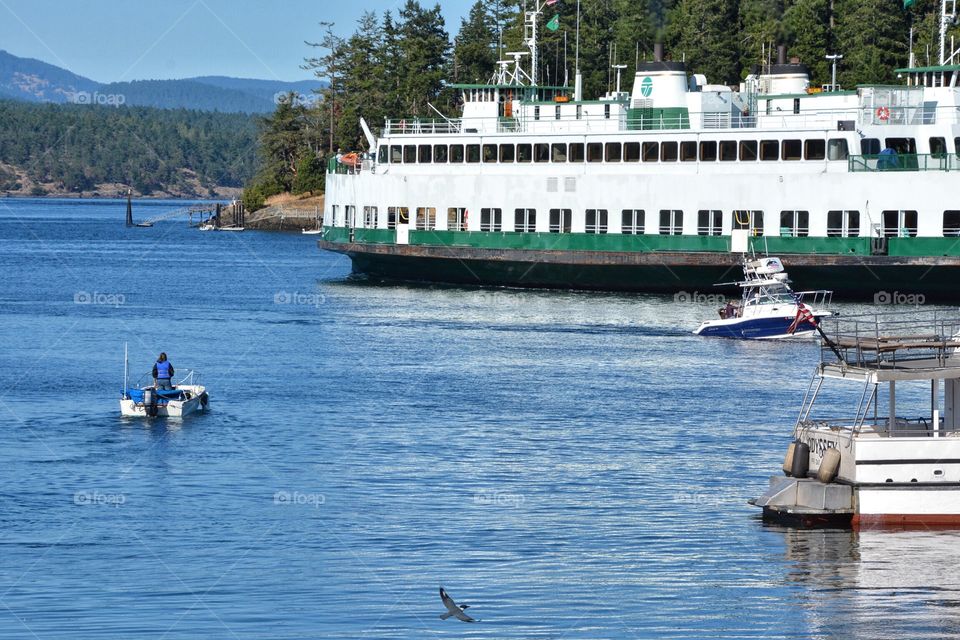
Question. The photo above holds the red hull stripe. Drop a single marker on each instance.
(870, 521)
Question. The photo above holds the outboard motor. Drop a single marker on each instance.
(150, 402)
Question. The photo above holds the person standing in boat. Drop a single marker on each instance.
(162, 373)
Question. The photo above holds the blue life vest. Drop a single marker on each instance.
(163, 370)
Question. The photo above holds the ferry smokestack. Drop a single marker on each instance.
(782, 54)
(658, 52)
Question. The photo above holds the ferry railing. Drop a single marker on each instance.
(420, 126)
(887, 340)
(903, 162)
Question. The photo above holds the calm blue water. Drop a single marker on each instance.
(572, 465)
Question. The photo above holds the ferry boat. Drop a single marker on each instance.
(769, 308)
(663, 187)
(869, 468)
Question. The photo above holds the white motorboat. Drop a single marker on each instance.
(144, 400)
(868, 469)
(769, 308)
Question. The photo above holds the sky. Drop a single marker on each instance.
(121, 40)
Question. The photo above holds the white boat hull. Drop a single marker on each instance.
(168, 408)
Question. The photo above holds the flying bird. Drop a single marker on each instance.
(454, 609)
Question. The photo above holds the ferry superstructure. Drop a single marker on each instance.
(666, 187)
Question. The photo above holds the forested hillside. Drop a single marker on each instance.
(400, 64)
(46, 148)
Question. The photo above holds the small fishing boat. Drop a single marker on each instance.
(231, 229)
(207, 227)
(892, 459)
(769, 308)
(144, 400)
(311, 232)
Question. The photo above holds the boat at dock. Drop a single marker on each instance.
(769, 309)
(662, 188)
(876, 468)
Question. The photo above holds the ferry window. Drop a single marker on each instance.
(902, 145)
(769, 150)
(579, 111)
(870, 146)
(795, 224)
(814, 149)
(351, 212)
(595, 152)
(688, 151)
(938, 147)
(491, 219)
(557, 112)
(951, 224)
(843, 224)
(651, 151)
(506, 153)
(558, 152)
(709, 223)
(606, 111)
(525, 220)
(632, 221)
(524, 153)
(837, 149)
(613, 152)
(456, 153)
(668, 152)
(370, 217)
(456, 219)
(791, 150)
(396, 154)
(728, 150)
(440, 153)
(748, 150)
(335, 212)
(473, 153)
(536, 112)
(541, 152)
(596, 221)
(708, 151)
(383, 154)
(424, 153)
(671, 222)
(409, 154)
(426, 218)
(576, 152)
(956, 146)
(796, 108)
(391, 217)
(750, 220)
(899, 224)
(489, 153)
(560, 220)
(631, 152)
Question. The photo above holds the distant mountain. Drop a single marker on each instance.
(37, 81)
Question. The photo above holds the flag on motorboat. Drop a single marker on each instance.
(804, 315)
(554, 24)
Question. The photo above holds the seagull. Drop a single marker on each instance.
(454, 609)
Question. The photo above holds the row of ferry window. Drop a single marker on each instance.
(840, 223)
(668, 151)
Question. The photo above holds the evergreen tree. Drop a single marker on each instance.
(282, 142)
(872, 36)
(363, 83)
(475, 48)
(704, 32)
(423, 47)
(760, 30)
(806, 31)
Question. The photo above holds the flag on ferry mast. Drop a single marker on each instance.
(550, 3)
(804, 315)
(908, 3)
(554, 24)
